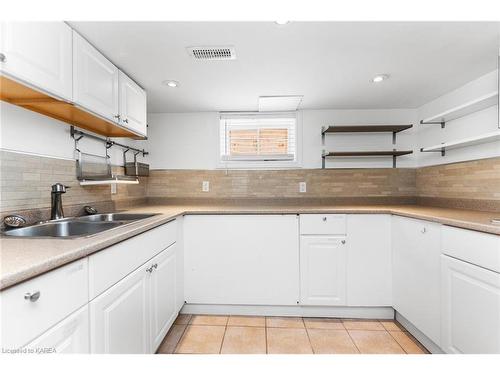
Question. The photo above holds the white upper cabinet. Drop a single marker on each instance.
(132, 105)
(39, 54)
(95, 80)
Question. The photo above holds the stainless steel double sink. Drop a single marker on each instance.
(77, 226)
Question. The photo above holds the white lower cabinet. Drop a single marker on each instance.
(67, 337)
(119, 317)
(369, 260)
(323, 270)
(241, 259)
(163, 286)
(134, 315)
(417, 273)
(470, 308)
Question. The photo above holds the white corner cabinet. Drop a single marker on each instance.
(57, 61)
(470, 277)
(417, 273)
(122, 299)
(39, 54)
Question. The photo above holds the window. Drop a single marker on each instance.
(259, 140)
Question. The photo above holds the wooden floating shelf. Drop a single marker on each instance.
(27, 97)
(483, 138)
(462, 110)
(393, 153)
(366, 128)
(394, 129)
(367, 153)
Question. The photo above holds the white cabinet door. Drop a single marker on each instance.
(470, 308)
(39, 53)
(322, 270)
(163, 306)
(417, 273)
(119, 317)
(95, 80)
(69, 336)
(132, 105)
(369, 260)
(241, 259)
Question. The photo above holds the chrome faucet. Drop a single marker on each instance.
(56, 209)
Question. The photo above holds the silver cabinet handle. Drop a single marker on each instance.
(325, 218)
(424, 230)
(343, 242)
(155, 265)
(150, 269)
(2, 57)
(125, 121)
(32, 297)
(116, 116)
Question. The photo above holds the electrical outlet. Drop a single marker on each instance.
(302, 187)
(205, 186)
(113, 188)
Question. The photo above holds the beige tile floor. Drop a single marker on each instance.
(217, 334)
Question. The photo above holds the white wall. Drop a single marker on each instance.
(189, 140)
(29, 132)
(472, 125)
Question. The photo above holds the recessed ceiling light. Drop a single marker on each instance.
(281, 22)
(380, 77)
(171, 83)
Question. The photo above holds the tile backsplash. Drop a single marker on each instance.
(25, 182)
(321, 183)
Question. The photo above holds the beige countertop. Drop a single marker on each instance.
(24, 258)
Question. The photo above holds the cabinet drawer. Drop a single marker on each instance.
(478, 248)
(109, 266)
(322, 224)
(62, 291)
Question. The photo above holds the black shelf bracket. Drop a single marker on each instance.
(442, 151)
(442, 123)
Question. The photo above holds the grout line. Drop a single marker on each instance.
(401, 346)
(224, 335)
(354, 342)
(265, 332)
(308, 338)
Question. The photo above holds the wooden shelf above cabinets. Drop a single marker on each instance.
(366, 128)
(393, 153)
(32, 99)
(394, 129)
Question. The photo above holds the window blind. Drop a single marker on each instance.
(258, 137)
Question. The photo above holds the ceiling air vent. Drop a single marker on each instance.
(212, 53)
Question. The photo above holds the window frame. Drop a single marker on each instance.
(261, 164)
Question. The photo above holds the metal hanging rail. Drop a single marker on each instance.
(78, 134)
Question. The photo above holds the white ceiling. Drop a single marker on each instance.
(329, 63)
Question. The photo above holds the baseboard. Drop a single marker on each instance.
(302, 311)
(421, 337)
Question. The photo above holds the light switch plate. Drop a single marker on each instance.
(302, 187)
(205, 186)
